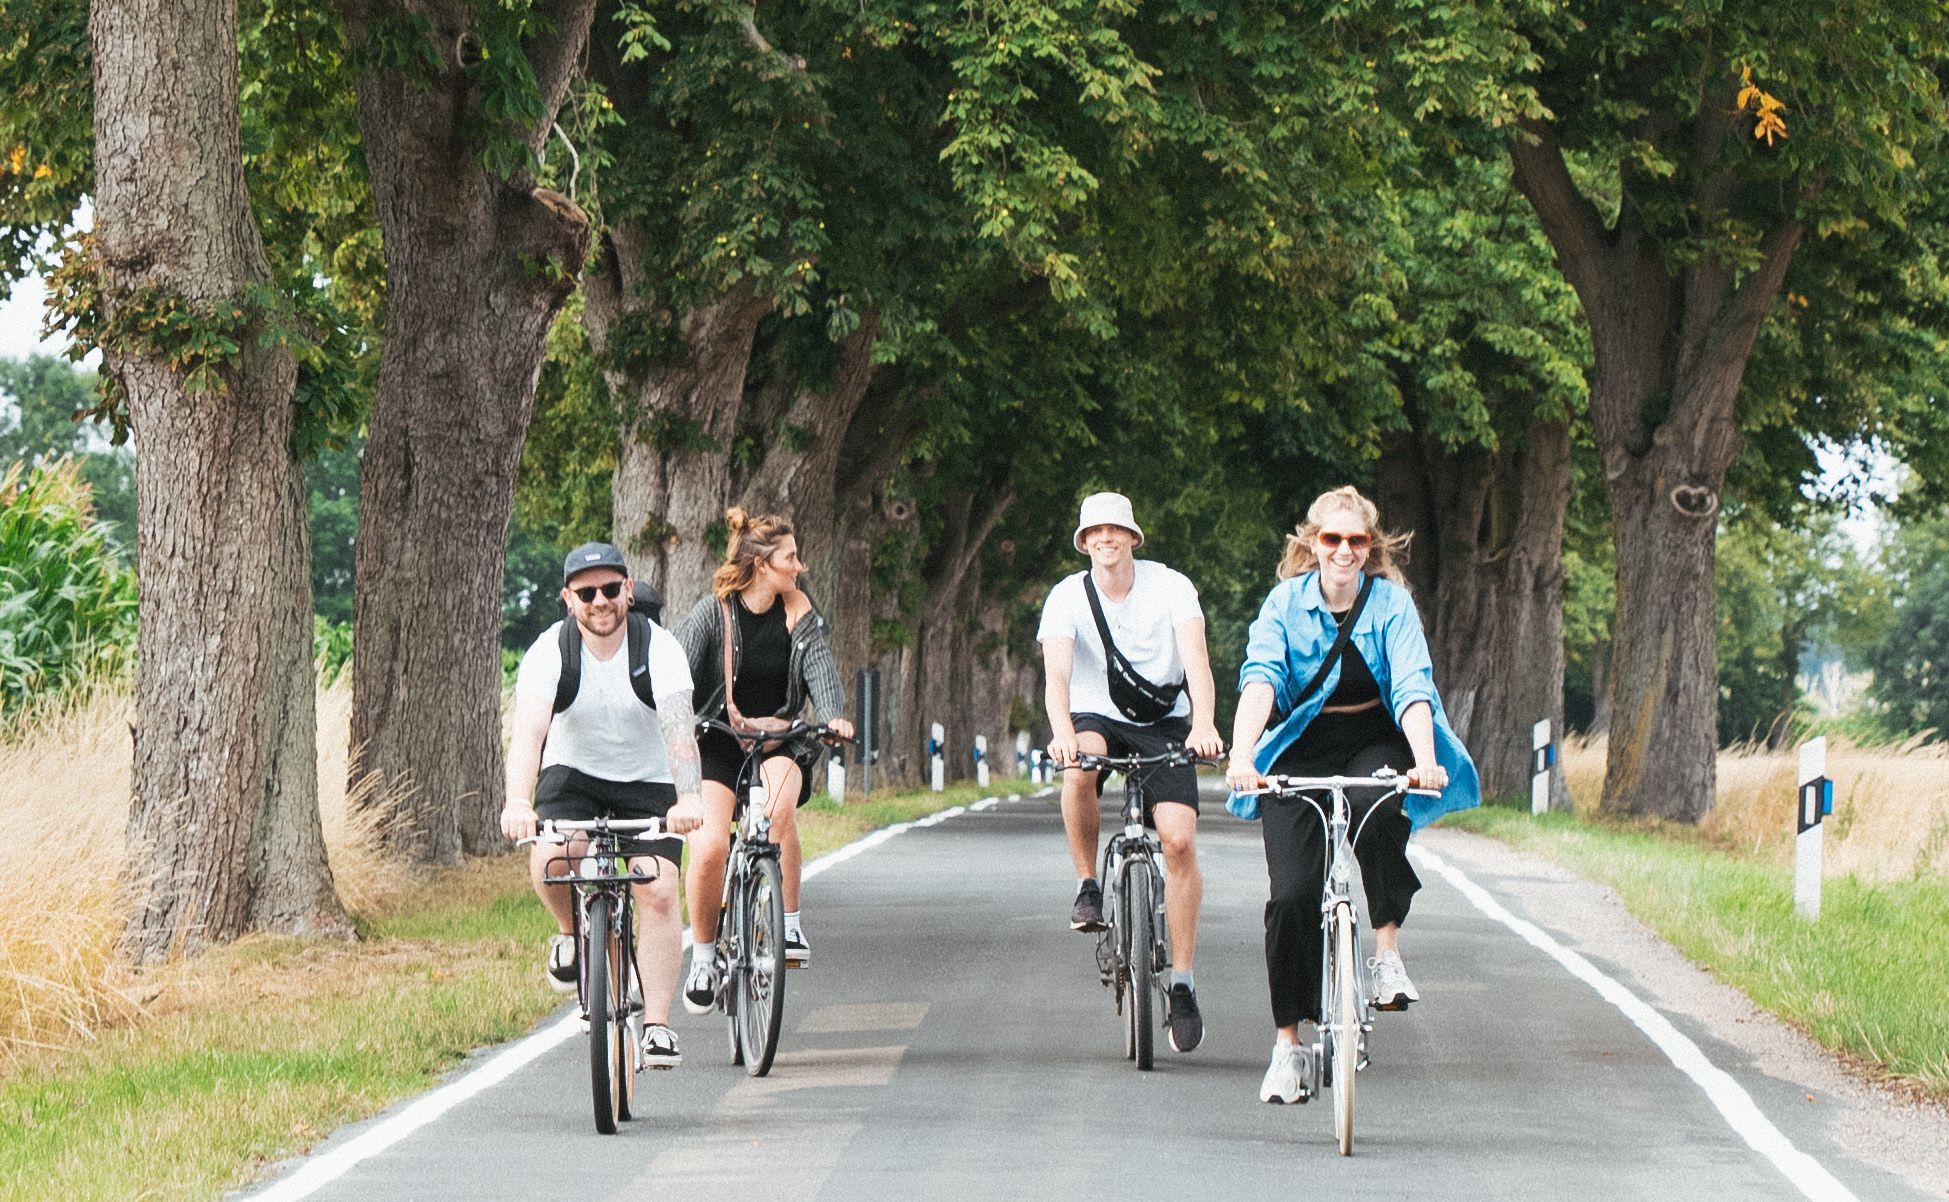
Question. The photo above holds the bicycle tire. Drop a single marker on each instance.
(1346, 1026)
(602, 1032)
(730, 925)
(629, 1024)
(1137, 914)
(761, 1006)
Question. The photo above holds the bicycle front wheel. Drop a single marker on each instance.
(604, 1090)
(627, 988)
(1346, 1026)
(761, 1004)
(1135, 917)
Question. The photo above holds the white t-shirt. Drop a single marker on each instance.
(606, 731)
(1143, 626)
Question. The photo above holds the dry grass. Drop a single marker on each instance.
(1891, 805)
(59, 979)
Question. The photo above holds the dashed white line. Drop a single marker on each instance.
(1741, 1113)
(322, 1170)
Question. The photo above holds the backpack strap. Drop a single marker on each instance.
(638, 634)
(569, 641)
(1339, 644)
(731, 713)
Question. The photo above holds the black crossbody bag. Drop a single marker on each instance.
(1339, 644)
(1141, 701)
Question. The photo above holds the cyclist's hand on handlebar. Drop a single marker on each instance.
(1204, 742)
(841, 727)
(1062, 749)
(684, 817)
(1432, 776)
(1240, 775)
(518, 820)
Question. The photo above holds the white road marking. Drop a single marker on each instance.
(328, 1167)
(1741, 1113)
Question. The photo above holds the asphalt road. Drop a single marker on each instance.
(952, 1040)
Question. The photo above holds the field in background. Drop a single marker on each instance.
(1891, 806)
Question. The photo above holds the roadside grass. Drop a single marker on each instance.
(185, 1081)
(1867, 980)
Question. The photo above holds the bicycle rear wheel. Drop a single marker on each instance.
(604, 1089)
(761, 1006)
(628, 988)
(730, 928)
(1136, 919)
(1346, 1026)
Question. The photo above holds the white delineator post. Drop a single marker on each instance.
(836, 776)
(981, 760)
(1542, 756)
(939, 762)
(1815, 802)
(1021, 753)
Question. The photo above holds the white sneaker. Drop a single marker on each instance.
(660, 1047)
(700, 991)
(1285, 1079)
(1392, 989)
(561, 963)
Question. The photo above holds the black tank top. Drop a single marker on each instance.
(1357, 684)
(765, 658)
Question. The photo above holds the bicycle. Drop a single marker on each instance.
(751, 913)
(1339, 1048)
(1133, 954)
(608, 985)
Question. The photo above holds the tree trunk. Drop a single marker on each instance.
(1670, 349)
(478, 263)
(1488, 573)
(223, 827)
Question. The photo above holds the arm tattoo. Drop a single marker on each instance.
(680, 743)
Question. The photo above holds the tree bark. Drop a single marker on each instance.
(1670, 349)
(1487, 570)
(223, 828)
(478, 264)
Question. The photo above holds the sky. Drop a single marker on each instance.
(20, 322)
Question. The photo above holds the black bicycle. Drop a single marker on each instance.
(1133, 954)
(751, 917)
(607, 983)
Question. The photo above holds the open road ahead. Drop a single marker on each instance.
(951, 1041)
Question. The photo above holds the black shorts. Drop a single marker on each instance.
(1175, 782)
(564, 792)
(724, 760)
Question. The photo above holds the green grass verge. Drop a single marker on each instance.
(1868, 979)
(268, 1045)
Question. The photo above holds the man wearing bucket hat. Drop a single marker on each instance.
(594, 733)
(1148, 690)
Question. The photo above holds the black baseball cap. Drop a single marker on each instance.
(593, 555)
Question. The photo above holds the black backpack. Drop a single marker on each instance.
(645, 606)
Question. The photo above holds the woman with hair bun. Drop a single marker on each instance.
(1375, 707)
(779, 656)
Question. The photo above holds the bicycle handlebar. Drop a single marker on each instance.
(557, 830)
(1386, 778)
(1089, 761)
(798, 727)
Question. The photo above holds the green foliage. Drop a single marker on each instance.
(1911, 660)
(67, 602)
(50, 398)
(331, 648)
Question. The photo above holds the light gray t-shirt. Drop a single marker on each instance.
(606, 731)
(1143, 626)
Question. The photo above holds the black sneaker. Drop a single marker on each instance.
(1087, 913)
(561, 963)
(660, 1047)
(1187, 1025)
(700, 991)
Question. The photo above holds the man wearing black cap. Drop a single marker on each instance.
(607, 752)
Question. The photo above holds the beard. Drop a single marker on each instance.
(602, 621)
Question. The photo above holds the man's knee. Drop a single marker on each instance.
(659, 897)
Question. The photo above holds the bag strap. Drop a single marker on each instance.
(1339, 643)
(638, 626)
(730, 670)
(569, 642)
(1103, 626)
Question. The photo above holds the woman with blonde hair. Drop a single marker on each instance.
(1372, 705)
(763, 624)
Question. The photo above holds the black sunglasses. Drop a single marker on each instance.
(588, 592)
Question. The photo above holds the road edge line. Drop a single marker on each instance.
(1729, 1097)
(319, 1171)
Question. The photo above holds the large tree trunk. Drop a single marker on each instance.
(223, 827)
(1670, 349)
(478, 263)
(1488, 572)
(673, 469)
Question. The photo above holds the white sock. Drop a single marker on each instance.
(702, 952)
(1182, 978)
(792, 924)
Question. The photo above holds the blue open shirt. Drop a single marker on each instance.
(1291, 638)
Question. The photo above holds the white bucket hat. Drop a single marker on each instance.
(1106, 509)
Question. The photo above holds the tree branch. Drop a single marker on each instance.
(555, 56)
(1570, 221)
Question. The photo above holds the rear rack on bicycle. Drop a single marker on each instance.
(592, 870)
